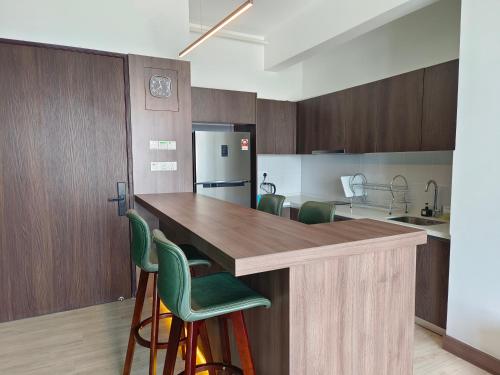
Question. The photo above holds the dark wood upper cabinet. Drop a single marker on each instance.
(276, 126)
(399, 117)
(361, 127)
(307, 125)
(223, 106)
(321, 123)
(439, 119)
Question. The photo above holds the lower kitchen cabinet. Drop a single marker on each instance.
(433, 265)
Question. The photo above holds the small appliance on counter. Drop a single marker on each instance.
(222, 165)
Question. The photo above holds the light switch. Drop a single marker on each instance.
(153, 145)
(162, 166)
(167, 145)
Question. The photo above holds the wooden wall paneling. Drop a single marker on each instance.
(439, 119)
(433, 267)
(361, 127)
(268, 328)
(399, 124)
(223, 106)
(367, 303)
(63, 148)
(160, 125)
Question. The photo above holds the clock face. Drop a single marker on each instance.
(160, 86)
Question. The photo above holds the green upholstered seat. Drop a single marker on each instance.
(194, 299)
(312, 212)
(144, 252)
(271, 203)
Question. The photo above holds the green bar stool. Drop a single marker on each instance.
(144, 256)
(271, 203)
(193, 300)
(312, 212)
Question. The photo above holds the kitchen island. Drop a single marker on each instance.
(343, 293)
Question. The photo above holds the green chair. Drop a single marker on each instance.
(312, 212)
(193, 300)
(271, 203)
(144, 256)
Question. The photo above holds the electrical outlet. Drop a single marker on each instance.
(153, 145)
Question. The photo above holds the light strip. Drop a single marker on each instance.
(232, 16)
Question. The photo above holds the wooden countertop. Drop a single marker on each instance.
(246, 241)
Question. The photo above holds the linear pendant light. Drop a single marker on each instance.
(230, 17)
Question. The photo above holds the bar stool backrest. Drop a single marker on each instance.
(141, 243)
(271, 203)
(174, 277)
(312, 212)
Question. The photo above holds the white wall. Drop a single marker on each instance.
(426, 37)
(474, 297)
(321, 174)
(235, 65)
(282, 170)
(154, 27)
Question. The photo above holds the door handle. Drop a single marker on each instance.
(121, 191)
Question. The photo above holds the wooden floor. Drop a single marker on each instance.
(93, 341)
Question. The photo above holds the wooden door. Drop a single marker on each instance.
(439, 119)
(62, 150)
(361, 128)
(399, 122)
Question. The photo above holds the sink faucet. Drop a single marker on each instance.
(435, 210)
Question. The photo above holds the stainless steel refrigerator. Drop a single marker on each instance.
(223, 165)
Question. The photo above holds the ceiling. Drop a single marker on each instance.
(259, 20)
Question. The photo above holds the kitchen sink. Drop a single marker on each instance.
(416, 220)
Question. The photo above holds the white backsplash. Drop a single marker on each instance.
(282, 170)
(321, 174)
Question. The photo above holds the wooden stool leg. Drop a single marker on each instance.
(173, 345)
(155, 317)
(205, 346)
(136, 318)
(240, 331)
(192, 338)
(224, 339)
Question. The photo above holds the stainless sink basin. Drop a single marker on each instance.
(416, 220)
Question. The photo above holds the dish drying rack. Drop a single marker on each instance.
(398, 187)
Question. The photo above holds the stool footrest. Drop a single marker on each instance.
(147, 343)
(217, 366)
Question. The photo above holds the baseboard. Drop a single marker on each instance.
(472, 355)
(431, 327)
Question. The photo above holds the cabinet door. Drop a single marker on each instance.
(332, 117)
(399, 123)
(361, 127)
(223, 106)
(439, 120)
(286, 128)
(265, 129)
(431, 295)
(276, 127)
(307, 125)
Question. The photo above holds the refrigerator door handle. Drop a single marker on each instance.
(215, 184)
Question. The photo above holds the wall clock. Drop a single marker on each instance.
(160, 86)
